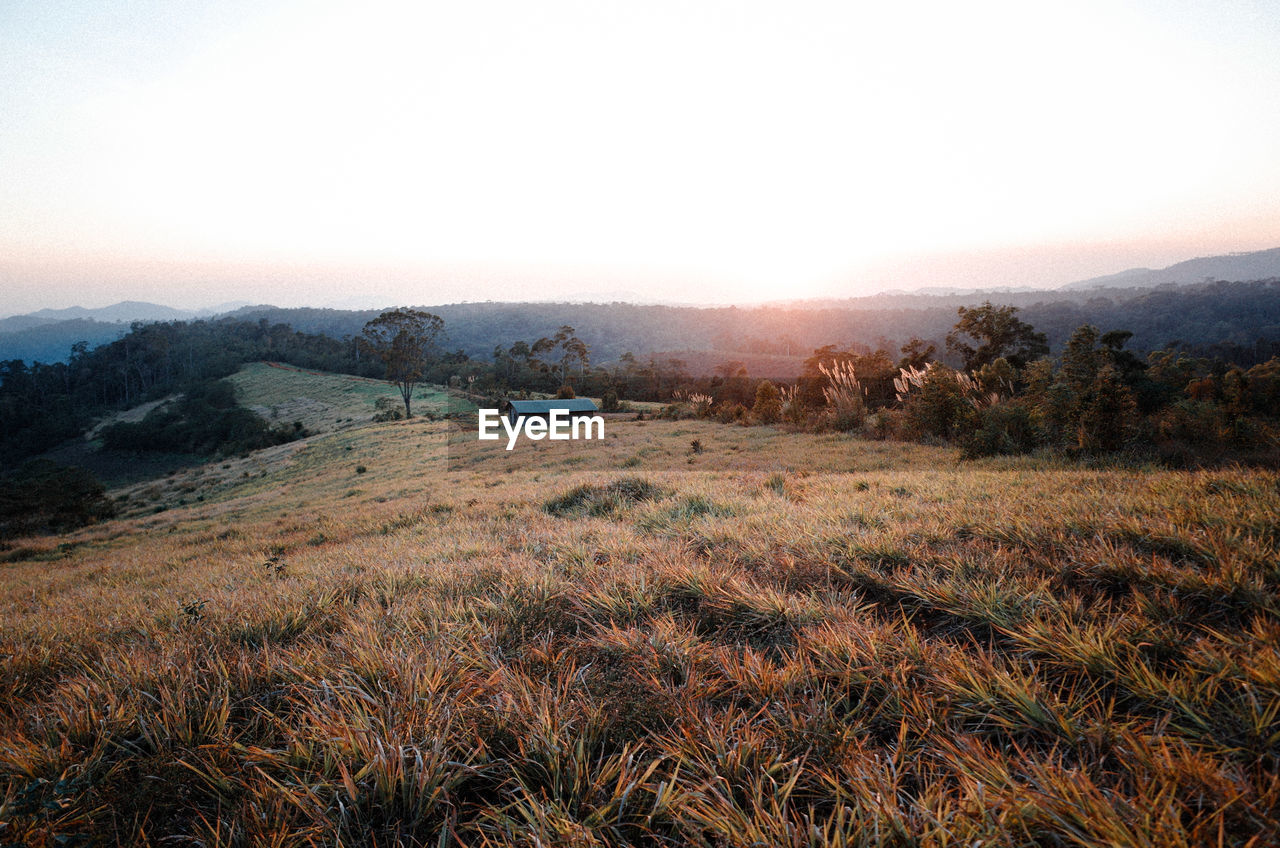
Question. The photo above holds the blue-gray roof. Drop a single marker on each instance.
(538, 407)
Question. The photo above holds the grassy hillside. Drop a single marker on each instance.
(761, 639)
(323, 402)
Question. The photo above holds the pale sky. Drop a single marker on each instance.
(318, 153)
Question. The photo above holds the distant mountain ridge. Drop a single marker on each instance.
(46, 335)
(613, 328)
(126, 311)
(1256, 265)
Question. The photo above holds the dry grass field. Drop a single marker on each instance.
(764, 639)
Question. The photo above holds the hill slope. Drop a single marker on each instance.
(324, 402)
(1258, 265)
(633, 642)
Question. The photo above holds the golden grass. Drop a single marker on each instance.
(789, 639)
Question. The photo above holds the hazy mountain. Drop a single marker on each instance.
(18, 323)
(46, 335)
(51, 340)
(126, 310)
(948, 290)
(1258, 265)
(221, 308)
(1227, 312)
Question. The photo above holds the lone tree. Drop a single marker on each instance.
(405, 340)
(999, 334)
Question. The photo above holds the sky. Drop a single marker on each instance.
(380, 153)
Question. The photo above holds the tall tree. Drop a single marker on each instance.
(998, 333)
(405, 340)
(917, 353)
(560, 350)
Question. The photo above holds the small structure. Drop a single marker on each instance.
(576, 407)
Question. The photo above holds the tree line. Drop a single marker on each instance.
(1235, 313)
(1008, 396)
(991, 351)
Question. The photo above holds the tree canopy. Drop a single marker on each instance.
(999, 335)
(405, 340)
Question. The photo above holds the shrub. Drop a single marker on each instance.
(768, 405)
(46, 497)
(589, 499)
(1004, 428)
(940, 407)
(565, 392)
(677, 411)
(388, 409)
(731, 412)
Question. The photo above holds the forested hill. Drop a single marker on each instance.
(1220, 313)
(1205, 315)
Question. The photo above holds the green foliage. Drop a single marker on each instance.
(917, 353)
(873, 371)
(609, 401)
(997, 333)
(940, 408)
(1003, 428)
(1087, 404)
(405, 340)
(42, 405)
(768, 405)
(46, 497)
(1109, 415)
(205, 420)
(997, 377)
(554, 354)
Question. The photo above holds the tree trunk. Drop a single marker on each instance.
(406, 392)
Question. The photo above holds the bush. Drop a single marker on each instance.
(940, 407)
(565, 392)
(1005, 428)
(768, 405)
(46, 497)
(388, 409)
(1190, 422)
(731, 412)
(677, 411)
(609, 402)
(603, 500)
